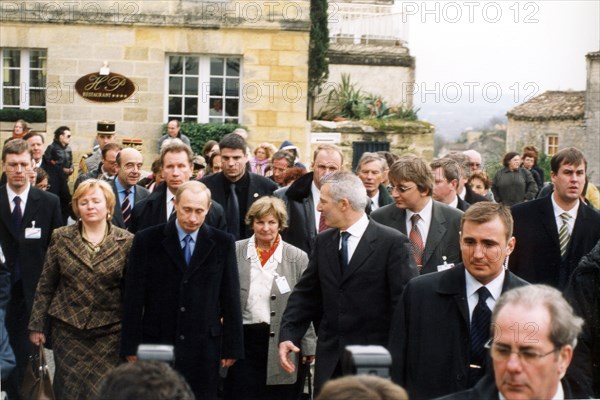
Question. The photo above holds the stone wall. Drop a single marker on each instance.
(271, 38)
(592, 116)
(413, 137)
(387, 71)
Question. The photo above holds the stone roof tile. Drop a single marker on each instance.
(551, 105)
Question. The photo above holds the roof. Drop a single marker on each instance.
(551, 105)
(595, 54)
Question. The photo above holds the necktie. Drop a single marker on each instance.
(563, 234)
(322, 224)
(344, 251)
(17, 219)
(480, 332)
(233, 213)
(126, 209)
(187, 249)
(416, 241)
(17, 214)
(171, 214)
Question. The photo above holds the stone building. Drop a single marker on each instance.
(368, 42)
(182, 56)
(559, 119)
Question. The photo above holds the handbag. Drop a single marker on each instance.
(37, 384)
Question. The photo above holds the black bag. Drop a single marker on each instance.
(37, 384)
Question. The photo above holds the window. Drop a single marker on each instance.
(23, 76)
(551, 144)
(203, 89)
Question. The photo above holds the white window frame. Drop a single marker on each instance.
(203, 94)
(24, 79)
(548, 146)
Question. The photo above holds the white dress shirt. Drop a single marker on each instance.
(424, 222)
(356, 232)
(170, 203)
(559, 221)
(473, 285)
(23, 196)
(258, 307)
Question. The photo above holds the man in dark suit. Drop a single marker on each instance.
(127, 192)
(57, 183)
(353, 282)
(539, 327)
(370, 170)
(435, 239)
(182, 288)
(236, 188)
(176, 159)
(463, 190)
(302, 197)
(28, 217)
(554, 232)
(443, 319)
(107, 169)
(446, 175)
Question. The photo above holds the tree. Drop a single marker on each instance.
(318, 64)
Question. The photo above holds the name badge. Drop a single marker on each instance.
(282, 285)
(33, 232)
(445, 265)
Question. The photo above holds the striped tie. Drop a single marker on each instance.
(126, 208)
(416, 241)
(563, 234)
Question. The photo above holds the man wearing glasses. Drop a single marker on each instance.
(108, 168)
(431, 226)
(534, 333)
(443, 320)
(28, 216)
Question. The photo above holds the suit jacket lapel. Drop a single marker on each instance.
(173, 247)
(332, 249)
(547, 218)
(203, 249)
(244, 266)
(363, 251)
(454, 284)
(399, 218)
(117, 212)
(31, 208)
(437, 229)
(5, 213)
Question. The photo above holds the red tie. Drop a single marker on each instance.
(416, 241)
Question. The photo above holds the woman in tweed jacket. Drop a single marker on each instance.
(79, 294)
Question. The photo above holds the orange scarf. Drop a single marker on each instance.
(264, 255)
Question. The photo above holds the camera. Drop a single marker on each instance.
(366, 360)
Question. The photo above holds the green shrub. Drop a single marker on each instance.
(202, 133)
(31, 115)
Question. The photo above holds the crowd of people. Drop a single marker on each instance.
(258, 271)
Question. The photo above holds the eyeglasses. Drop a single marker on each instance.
(474, 164)
(402, 189)
(502, 353)
(12, 166)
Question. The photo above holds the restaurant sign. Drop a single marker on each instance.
(104, 88)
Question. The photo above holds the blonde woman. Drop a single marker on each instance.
(79, 294)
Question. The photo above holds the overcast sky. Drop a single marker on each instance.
(521, 48)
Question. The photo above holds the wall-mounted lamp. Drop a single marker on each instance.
(105, 70)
